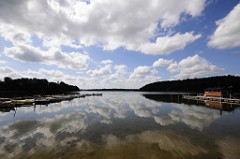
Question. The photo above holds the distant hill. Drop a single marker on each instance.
(28, 86)
(195, 85)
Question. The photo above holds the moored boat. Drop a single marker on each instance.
(4, 104)
(22, 101)
(53, 99)
(4, 99)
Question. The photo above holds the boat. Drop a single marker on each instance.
(4, 99)
(94, 94)
(6, 104)
(97, 94)
(23, 101)
(53, 99)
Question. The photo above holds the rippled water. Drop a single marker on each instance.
(121, 125)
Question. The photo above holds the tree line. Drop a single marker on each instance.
(34, 86)
(195, 85)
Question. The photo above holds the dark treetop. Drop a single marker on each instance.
(195, 85)
(28, 86)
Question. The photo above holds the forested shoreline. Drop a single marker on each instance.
(197, 85)
(31, 86)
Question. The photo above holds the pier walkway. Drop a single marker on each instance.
(217, 99)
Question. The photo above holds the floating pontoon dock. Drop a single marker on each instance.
(217, 99)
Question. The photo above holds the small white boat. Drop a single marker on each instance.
(53, 99)
(4, 99)
(22, 101)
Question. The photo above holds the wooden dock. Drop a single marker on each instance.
(215, 99)
(39, 100)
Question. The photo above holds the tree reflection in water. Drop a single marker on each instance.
(119, 125)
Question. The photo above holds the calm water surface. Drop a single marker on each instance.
(121, 125)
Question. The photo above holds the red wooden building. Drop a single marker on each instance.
(215, 92)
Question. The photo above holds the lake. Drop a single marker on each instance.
(121, 125)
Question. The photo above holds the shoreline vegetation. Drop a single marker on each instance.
(192, 86)
(196, 85)
(31, 86)
(27, 86)
(27, 91)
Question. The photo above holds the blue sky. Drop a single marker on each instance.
(119, 44)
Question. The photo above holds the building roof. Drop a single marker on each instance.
(215, 89)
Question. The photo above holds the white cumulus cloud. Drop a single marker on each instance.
(110, 24)
(120, 69)
(162, 63)
(106, 62)
(53, 56)
(193, 66)
(168, 44)
(9, 72)
(142, 71)
(103, 71)
(2, 62)
(228, 30)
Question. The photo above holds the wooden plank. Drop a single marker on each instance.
(219, 99)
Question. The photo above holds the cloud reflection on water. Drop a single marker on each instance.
(66, 125)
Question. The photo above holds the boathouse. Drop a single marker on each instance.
(215, 92)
